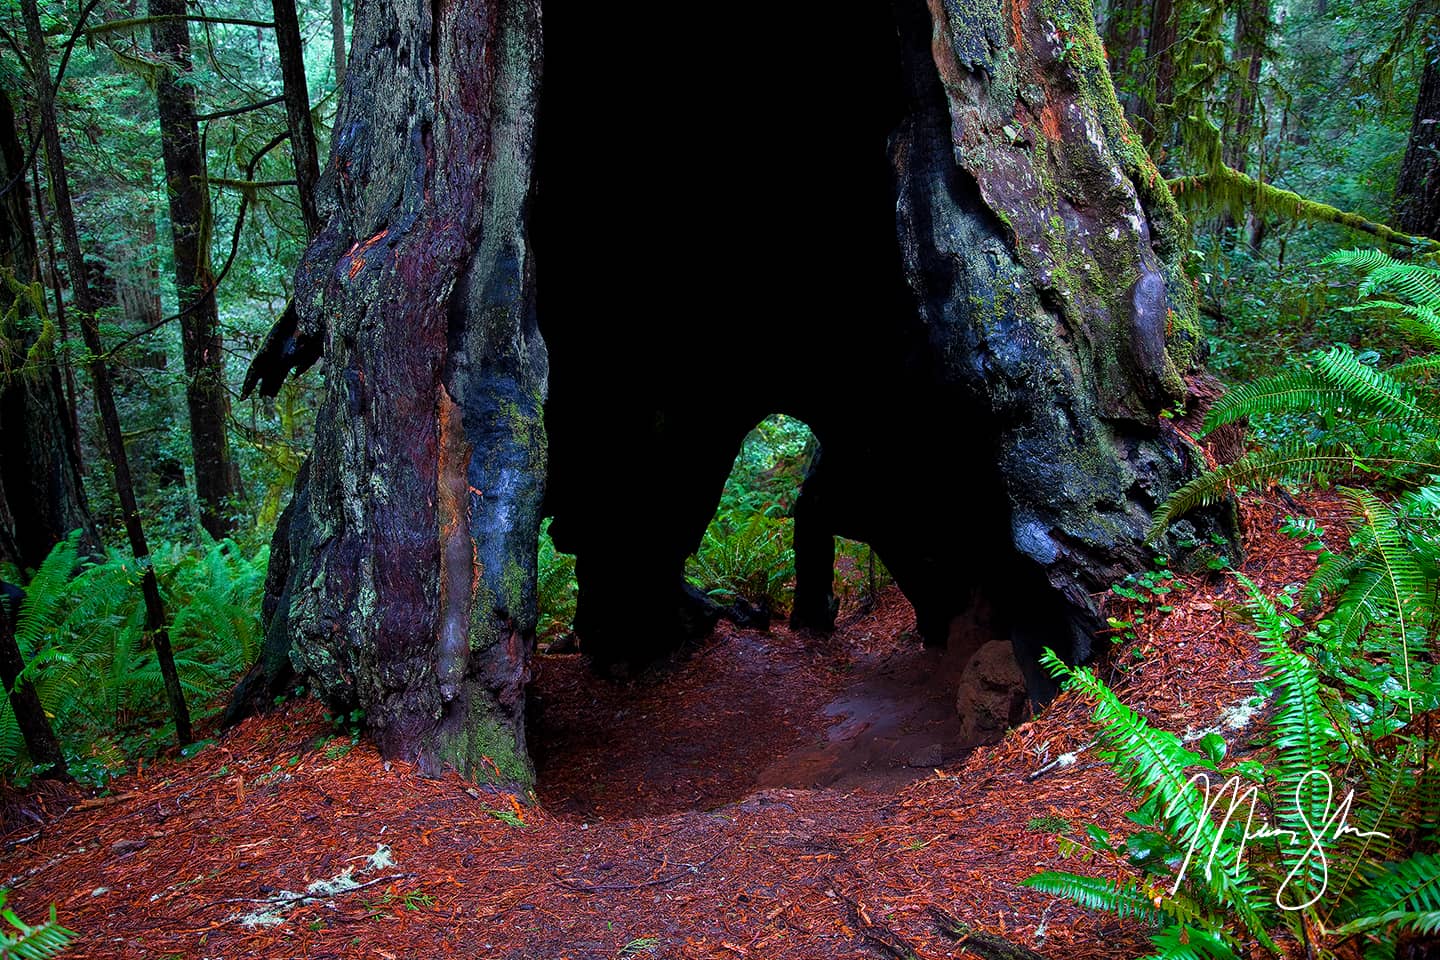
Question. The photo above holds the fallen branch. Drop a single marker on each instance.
(875, 933)
(978, 942)
(1228, 188)
(581, 887)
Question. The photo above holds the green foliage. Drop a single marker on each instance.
(749, 557)
(26, 942)
(1348, 742)
(1349, 706)
(1147, 592)
(747, 552)
(1343, 412)
(81, 631)
(555, 588)
(1157, 771)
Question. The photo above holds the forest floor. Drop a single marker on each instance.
(771, 796)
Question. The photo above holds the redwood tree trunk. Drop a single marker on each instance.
(941, 202)
(216, 478)
(39, 476)
(414, 596)
(1417, 195)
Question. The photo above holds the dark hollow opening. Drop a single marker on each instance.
(715, 232)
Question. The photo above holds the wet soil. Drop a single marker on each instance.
(868, 708)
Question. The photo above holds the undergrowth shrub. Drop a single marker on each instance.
(747, 551)
(81, 632)
(1350, 740)
(555, 588)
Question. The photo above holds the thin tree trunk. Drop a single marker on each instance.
(1242, 126)
(1417, 194)
(337, 37)
(39, 476)
(62, 320)
(1125, 24)
(297, 109)
(155, 620)
(40, 741)
(1159, 53)
(216, 479)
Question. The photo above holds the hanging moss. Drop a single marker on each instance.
(1226, 188)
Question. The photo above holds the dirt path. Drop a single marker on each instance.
(670, 852)
(866, 709)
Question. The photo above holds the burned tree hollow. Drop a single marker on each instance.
(570, 284)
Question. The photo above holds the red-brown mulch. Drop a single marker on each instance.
(169, 865)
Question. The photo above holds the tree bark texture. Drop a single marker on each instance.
(414, 597)
(932, 222)
(1417, 195)
(216, 477)
(39, 476)
(337, 39)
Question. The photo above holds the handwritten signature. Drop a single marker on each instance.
(1309, 801)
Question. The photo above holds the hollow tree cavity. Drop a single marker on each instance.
(926, 231)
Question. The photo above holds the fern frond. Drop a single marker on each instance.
(1405, 588)
(1333, 573)
(1366, 387)
(1366, 259)
(1153, 764)
(1290, 390)
(1416, 282)
(1184, 942)
(1410, 886)
(1420, 320)
(1416, 367)
(1126, 899)
(38, 942)
(1294, 461)
(43, 610)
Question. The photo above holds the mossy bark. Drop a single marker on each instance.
(1047, 255)
(973, 235)
(412, 595)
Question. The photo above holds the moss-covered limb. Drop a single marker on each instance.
(1228, 189)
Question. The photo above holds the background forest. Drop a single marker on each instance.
(159, 176)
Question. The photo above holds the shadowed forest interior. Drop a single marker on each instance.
(542, 478)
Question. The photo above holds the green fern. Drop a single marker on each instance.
(1392, 416)
(1126, 899)
(87, 653)
(1361, 259)
(1155, 767)
(26, 942)
(556, 590)
(1401, 896)
(1290, 390)
(1295, 461)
